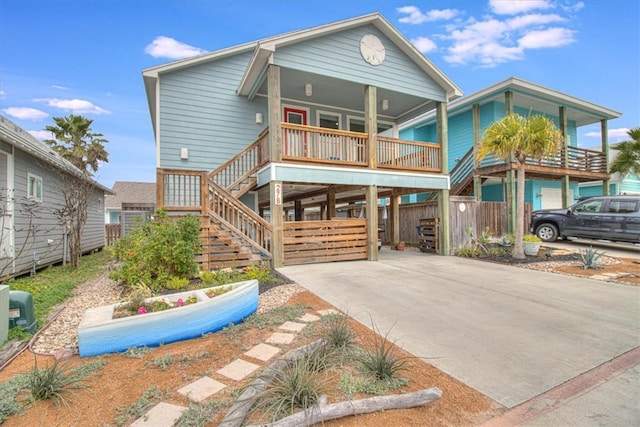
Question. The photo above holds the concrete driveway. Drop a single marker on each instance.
(510, 333)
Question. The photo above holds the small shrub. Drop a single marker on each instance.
(162, 362)
(337, 332)
(9, 391)
(508, 240)
(198, 414)
(296, 386)
(467, 251)
(157, 250)
(177, 283)
(496, 252)
(531, 238)
(51, 382)
(379, 358)
(136, 352)
(261, 273)
(590, 258)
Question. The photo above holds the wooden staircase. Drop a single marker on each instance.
(232, 234)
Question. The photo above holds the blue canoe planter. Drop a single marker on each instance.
(99, 333)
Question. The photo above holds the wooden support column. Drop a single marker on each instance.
(442, 132)
(277, 237)
(477, 180)
(605, 149)
(371, 124)
(331, 203)
(394, 221)
(371, 197)
(298, 210)
(564, 182)
(275, 115)
(323, 210)
(508, 103)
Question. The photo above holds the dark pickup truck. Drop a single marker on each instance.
(613, 218)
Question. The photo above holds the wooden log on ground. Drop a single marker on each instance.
(323, 412)
(239, 410)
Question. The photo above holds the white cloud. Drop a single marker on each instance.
(534, 19)
(3, 94)
(41, 134)
(614, 135)
(514, 7)
(59, 87)
(25, 113)
(76, 106)
(417, 17)
(424, 44)
(573, 7)
(166, 47)
(551, 37)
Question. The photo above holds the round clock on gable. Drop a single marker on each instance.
(372, 49)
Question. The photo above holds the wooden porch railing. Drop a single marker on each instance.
(181, 190)
(574, 158)
(394, 153)
(322, 145)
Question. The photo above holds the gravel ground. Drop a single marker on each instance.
(61, 332)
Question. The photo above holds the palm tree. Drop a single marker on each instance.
(83, 148)
(520, 138)
(628, 158)
(75, 141)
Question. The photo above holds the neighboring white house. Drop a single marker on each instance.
(31, 174)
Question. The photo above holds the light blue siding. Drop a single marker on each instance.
(338, 55)
(200, 110)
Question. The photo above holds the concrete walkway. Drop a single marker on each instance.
(510, 333)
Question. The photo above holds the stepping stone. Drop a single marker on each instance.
(281, 338)
(328, 312)
(238, 369)
(263, 352)
(308, 317)
(292, 326)
(199, 390)
(161, 415)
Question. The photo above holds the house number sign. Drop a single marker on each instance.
(278, 188)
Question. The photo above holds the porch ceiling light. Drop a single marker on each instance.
(385, 104)
(308, 89)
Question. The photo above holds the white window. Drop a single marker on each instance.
(99, 204)
(34, 187)
(356, 124)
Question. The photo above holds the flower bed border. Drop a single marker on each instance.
(99, 333)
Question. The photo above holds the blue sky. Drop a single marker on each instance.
(59, 57)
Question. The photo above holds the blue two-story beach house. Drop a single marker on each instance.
(250, 136)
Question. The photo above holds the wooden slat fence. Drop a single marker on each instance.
(112, 233)
(308, 242)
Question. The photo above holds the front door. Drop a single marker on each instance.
(295, 141)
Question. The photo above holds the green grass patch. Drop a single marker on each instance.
(54, 285)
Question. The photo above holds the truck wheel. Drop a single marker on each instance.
(547, 232)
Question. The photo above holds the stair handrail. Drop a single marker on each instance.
(463, 168)
(242, 165)
(239, 218)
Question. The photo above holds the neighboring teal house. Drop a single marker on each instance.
(249, 135)
(552, 182)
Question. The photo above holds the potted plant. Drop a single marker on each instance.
(400, 246)
(531, 244)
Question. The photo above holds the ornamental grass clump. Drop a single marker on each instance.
(51, 382)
